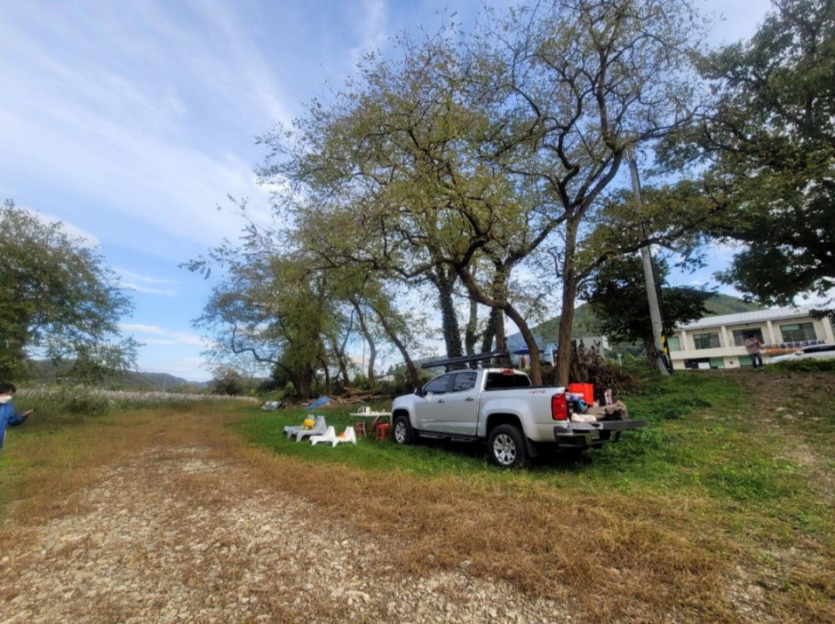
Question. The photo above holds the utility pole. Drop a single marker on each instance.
(649, 276)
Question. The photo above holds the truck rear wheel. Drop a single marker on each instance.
(403, 432)
(506, 446)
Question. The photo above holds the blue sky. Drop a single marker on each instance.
(132, 120)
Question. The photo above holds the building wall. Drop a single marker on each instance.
(728, 355)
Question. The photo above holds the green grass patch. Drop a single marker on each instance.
(708, 440)
(266, 429)
(804, 366)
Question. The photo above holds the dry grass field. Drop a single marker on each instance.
(722, 514)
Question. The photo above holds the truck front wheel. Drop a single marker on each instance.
(506, 446)
(403, 432)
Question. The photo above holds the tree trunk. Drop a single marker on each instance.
(341, 362)
(651, 353)
(569, 293)
(414, 380)
(372, 347)
(498, 328)
(530, 341)
(507, 307)
(444, 280)
(328, 389)
(494, 331)
(303, 381)
(341, 357)
(471, 332)
(499, 286)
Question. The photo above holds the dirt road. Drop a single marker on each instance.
(169, 535)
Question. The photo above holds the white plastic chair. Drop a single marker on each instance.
(349, 435)
(291, 430)
(319, 427)
(329, 436)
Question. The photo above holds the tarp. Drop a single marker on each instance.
(525, 351)
(322, 400)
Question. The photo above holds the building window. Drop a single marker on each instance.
(741, 334)
(674, 344)
(704, 363)
(798, 332)
(706, 341)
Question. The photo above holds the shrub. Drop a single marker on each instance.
(804, 366)
(95, 402)
(80, 400)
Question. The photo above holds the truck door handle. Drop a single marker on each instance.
(470, 399)
(440, 400)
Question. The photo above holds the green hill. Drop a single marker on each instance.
(718, 305)
(45, 372)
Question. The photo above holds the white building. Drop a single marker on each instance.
(717, 341)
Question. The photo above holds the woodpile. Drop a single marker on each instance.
(352, 396)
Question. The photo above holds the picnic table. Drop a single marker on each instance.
(375, 418)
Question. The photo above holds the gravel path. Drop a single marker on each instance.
(170, 536)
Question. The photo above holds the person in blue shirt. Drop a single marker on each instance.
(7, 414)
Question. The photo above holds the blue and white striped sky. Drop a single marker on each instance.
(132, 120)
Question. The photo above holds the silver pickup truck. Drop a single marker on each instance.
(501, 406)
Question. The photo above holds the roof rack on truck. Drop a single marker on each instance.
(466, 361)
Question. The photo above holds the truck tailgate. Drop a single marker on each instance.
(591, 435)
(606, 425)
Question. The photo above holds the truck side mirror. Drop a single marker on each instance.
(419, 391)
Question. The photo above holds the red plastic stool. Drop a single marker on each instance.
(359, 427)
(383, 431)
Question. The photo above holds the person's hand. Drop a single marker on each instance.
(28, 412)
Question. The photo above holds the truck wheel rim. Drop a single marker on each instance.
(504, 449)
(400, 433)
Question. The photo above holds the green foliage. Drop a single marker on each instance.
(804, 366)
(58, 298)
(90, 401)
(84, 401)
(617, 295)
(718, 304)
(228, 381)
(461, 160)
(770, 141)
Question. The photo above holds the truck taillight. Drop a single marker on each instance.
(559, 407)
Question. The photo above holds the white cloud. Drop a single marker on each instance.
(144, 284)
(85, 238)
(168, 292)
(168, 336)
(138, 327)
(136, 277)
(127, 129)
(370, 27)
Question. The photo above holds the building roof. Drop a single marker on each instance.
(742, 318)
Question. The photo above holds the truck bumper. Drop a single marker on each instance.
(590, 435)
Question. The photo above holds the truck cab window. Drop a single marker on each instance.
(497, 381)
(464, 381)
(439, 385)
